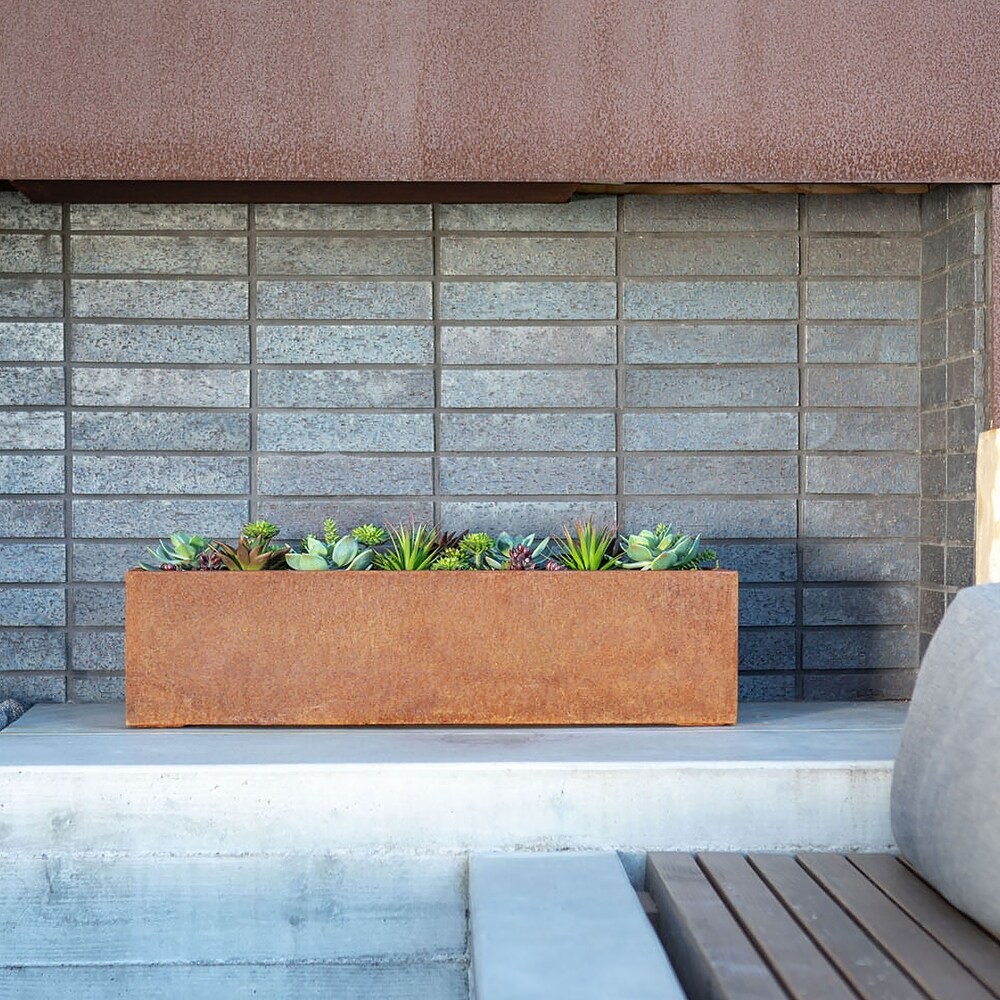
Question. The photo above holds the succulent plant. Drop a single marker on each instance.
(249, 555)
(586, 547)
(475, 546)
(520, 558)
(663, 548)
(345, 553)
(499, 555)
(370, 534)
(450, 559)
(330, 534)
(180, 551)
(260, 532)
(411, 547)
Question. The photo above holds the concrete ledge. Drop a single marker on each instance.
(788, 777)
(562, 925)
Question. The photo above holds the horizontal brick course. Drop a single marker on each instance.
(351, 388)
(527, 345)
(558, 431)
(115, 430)
(344, 299)
(33, 430)
(34, 252)
(723, 255)
(178, 387)
(694, 474)
(341, 217)
(527, 255)
(710, 213)
(861, 344)
(32, 562)
(349, 344)
(160, 474)
(158, 255)
(32, 474)
(344, 255)
(147, 298)
(709, 430)
(526, 475)
(158, 217)
(343, 475)
(345, 432)
(541, 300)
(16, 212)
(160, 343)
(580, 215)
(23, 650)
(552, 387)
(24, 298)
(712, 387)
(710, 343)
(31, 341)
(711, 299)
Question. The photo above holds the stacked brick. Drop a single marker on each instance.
(745, 366)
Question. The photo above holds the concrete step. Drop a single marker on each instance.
(564, 924)
(788, 777)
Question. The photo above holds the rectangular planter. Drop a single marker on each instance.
(460, 648)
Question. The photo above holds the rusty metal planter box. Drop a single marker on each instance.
(385, 648)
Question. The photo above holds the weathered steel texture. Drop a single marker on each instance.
(430, 648)
(993, 313)
(639, 90)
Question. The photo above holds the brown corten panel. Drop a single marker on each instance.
(993, 334)
(518, 91)
(350, 648)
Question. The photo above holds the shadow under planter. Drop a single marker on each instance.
(410, 648)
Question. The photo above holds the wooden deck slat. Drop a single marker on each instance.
(933, 968)
(975, 948)
(794, 957)
(712, 956)
(863, 965)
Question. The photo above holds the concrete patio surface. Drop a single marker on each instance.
(788, 776)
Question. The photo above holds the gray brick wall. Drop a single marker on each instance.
(952, 377)
(751, 367)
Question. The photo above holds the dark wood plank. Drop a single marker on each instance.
(936, 971)
(711, 955)
(862, 964)
(975, 948)
(793, 956)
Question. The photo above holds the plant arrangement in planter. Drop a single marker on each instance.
(441, 629)
(583, 546)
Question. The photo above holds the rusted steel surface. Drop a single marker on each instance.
(387, 648)
(520, 91)
(993, 333)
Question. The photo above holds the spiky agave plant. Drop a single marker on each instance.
(587, 547)
(248, 555)
(180, 552)
(411, 547)
(663, 548)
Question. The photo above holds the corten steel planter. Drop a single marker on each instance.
(390, 648)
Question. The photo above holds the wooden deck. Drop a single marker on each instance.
(823, 926)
